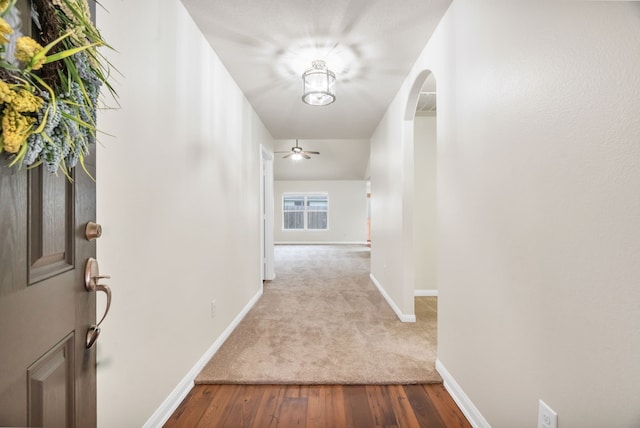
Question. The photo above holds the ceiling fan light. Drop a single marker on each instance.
(296, 156)
(319, 85)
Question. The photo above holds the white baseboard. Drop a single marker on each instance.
(425, 293)
(166, 409)
(470, 411)
(320, 243)
(396, 309)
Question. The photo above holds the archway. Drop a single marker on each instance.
(421, 186)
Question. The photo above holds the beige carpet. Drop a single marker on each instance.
(322, 321)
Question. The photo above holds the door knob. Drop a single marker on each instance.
(91, 281)
(92, 231)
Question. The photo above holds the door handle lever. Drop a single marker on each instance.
(91, 280)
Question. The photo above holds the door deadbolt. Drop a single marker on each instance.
(92, 231)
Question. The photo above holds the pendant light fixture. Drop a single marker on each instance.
(319, 85)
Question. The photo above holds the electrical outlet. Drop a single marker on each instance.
(547, 418)
(213, 309)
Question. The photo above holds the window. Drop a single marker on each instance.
(305, 211)
(317, 212)
(293, 212)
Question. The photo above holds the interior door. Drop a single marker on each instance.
(47, 374)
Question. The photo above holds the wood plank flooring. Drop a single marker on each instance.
(318, 406)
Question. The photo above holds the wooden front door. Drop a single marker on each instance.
(47, 374)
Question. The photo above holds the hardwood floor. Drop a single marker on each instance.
(329, 406)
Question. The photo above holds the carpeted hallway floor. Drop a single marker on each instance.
(322, 321)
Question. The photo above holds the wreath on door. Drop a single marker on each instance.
(49, 84)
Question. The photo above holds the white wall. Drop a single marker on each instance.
(424, 217)
(538, 207)
(178, 197)
(347, 211)
(387, 176)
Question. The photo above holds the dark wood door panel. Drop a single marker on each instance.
(40, 316)
(35, 317)
(51, 387)
(13, 226)
(43, 300)
(51, 225)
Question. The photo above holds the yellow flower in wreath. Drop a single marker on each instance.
(22, 100)
(26, 102)
(26, 51)
(4, 4)
(5, 31)
(15, 129)
(6, 93)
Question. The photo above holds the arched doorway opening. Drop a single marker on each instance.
(421, 188)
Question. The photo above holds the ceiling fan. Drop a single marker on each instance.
(297, 153)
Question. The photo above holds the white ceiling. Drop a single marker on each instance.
(338, 160)
(370, 45)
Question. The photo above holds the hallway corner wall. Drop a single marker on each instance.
(178, 194)
(538, 207)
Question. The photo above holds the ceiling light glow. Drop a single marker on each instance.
(343, 59)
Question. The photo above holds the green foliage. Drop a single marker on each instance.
(49, 95)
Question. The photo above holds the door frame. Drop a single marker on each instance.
(267, 268)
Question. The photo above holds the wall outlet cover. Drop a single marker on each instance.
(547, 418)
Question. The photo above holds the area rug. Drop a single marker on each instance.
(322, 321)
